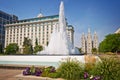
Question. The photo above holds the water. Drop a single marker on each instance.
(59, 43)
(38, 60)
(55, 64)
(41, 60)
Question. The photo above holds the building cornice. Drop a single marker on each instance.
(25, 23)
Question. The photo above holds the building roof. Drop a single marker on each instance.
(36, 19)
(40, 15)
(118, 30)
(5, 13)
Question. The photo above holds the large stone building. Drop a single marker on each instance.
(117, 31)
(39, 28)
(5, 18)
(87, 43)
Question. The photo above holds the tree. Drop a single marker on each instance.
(11, 48)
(38, 48)
(111, 43)
(36, 42)
(47, 43)
(1, 48)
(28, 50)
(27, 42)
(94, 50)
(27, 46)
(80, 50)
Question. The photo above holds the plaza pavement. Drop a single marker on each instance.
(14, 74)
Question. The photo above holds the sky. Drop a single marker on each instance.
(102, 16)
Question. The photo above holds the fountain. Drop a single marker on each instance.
(59, 43)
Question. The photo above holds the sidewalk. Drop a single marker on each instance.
(14, 74)
(9, 74)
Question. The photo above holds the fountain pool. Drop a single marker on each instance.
(37, 60)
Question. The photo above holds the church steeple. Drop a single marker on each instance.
(83, 42)
(89, 42)
(88, 30)
(95, 40)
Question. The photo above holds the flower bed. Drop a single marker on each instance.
(38, 71)
(72, 69)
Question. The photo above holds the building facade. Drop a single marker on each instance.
(39, 28)
(4, 19)
(87, 43)
(117, 31)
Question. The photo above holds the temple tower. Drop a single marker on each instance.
(83, 42)
(89, 42)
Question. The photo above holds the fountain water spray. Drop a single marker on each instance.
(59, 43)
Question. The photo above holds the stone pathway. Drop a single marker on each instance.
(13, 74)
(8, 74)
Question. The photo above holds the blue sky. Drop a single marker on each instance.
(102, 16)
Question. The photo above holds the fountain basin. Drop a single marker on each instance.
(35, 60)
(41, 60)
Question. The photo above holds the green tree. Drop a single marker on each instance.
(11, 48)
(111, 43)
(1, 49)
(80, 50)
(27, 46)
(47, 43)
(37, 47)
(27, 42)
(36, 42)
(94, 50)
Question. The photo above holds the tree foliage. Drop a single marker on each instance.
(111, 43)
(80, 50)
(11, 48)
(94, 50)
(27, 42)
(38, 48)
(1, 48)
(36, 42)
(109, 69)
(27, 46)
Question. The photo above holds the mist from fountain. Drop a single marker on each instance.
(59, 43)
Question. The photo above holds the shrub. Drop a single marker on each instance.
(49, 72)
(70, 69)
(91, 77)
(53, 75)
(32, 70)
(109, 69)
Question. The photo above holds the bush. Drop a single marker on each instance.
(49, 72)
(70, 69)
(53, 75)
(32, 70)
(109, 69)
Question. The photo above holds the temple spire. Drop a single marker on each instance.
(88, 30)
